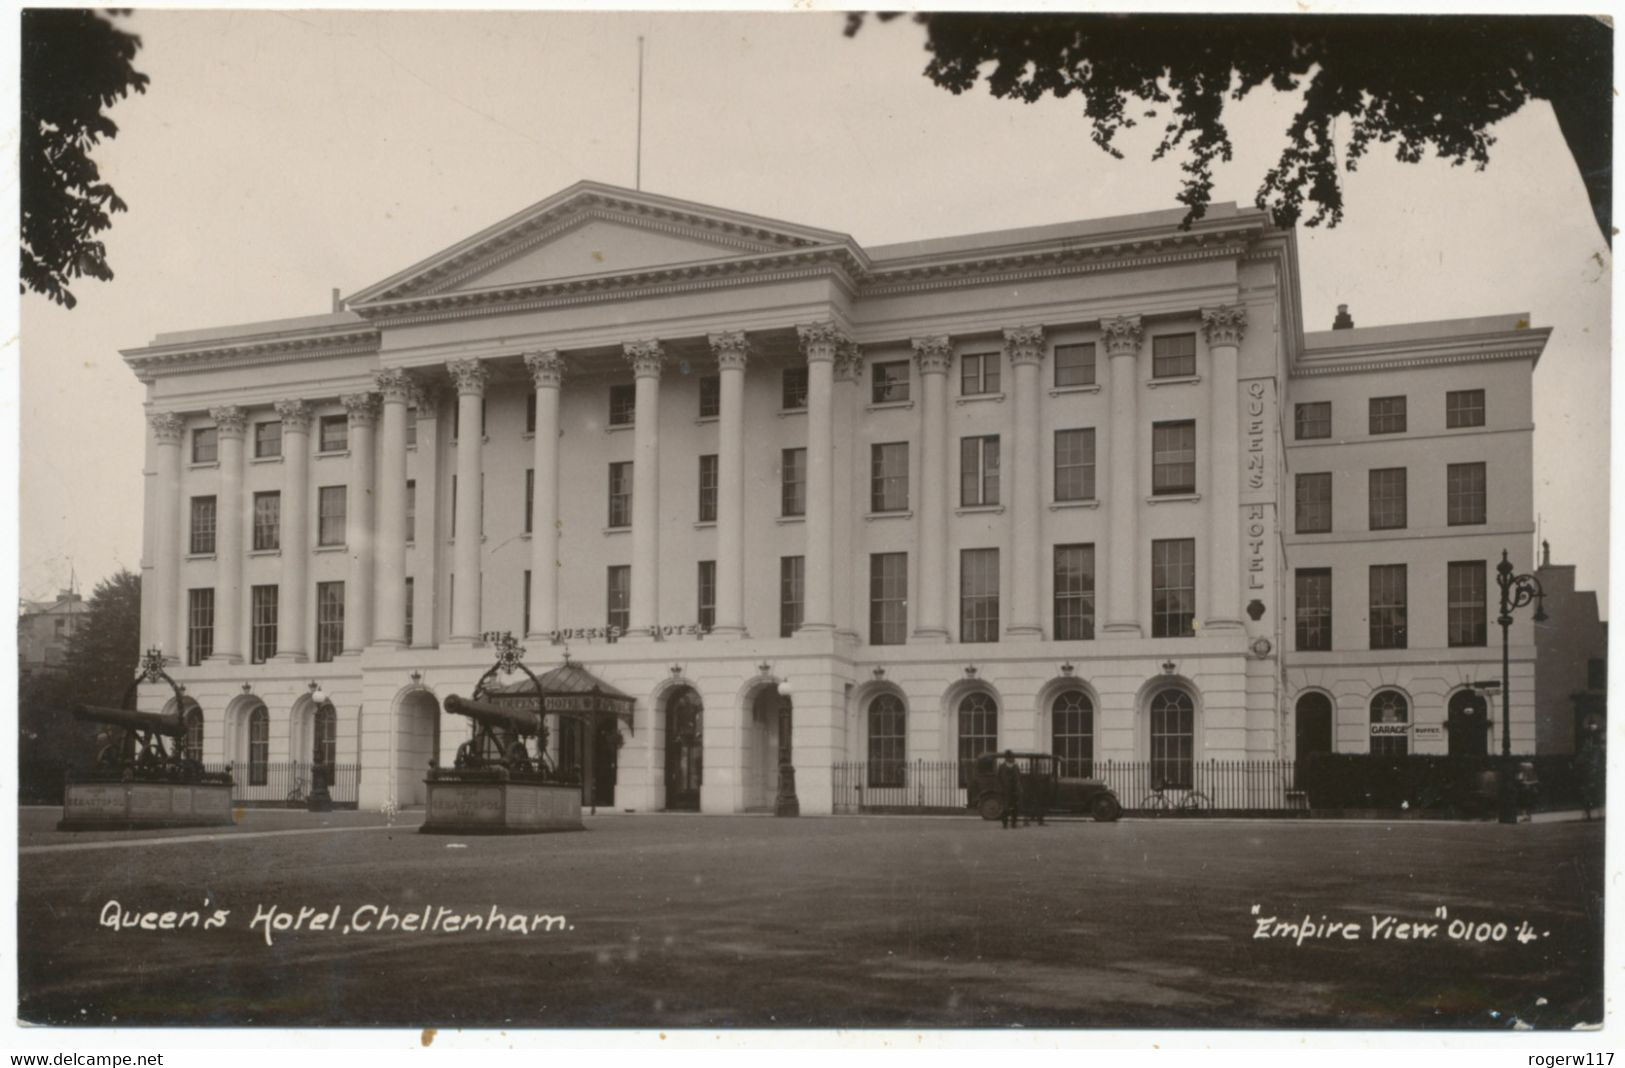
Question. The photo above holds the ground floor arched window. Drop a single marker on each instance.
(1173, 737)
(1390, 724)
(978, 731)
(259, 746)
(1072, 733)
(888, 726)
(1314, 727)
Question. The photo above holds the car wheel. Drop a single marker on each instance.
(991, 807)
(1105, 809)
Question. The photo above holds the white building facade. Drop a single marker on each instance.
(1042, 489)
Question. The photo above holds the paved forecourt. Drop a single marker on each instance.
(682, 921)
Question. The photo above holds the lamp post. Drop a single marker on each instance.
(786, 804)
(320, 800)
(1516, 592)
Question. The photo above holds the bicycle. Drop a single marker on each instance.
(299, 794)
(1157, 802)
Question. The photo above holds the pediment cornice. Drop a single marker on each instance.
(154, 360)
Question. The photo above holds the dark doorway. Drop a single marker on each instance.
(1314, 725)
(684, 757)
(1468, 724)
(605, 762)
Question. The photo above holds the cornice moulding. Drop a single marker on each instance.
(1370, 364)
(175, 359)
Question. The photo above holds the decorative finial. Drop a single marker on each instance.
(970, 671)
(1067, 669)
(1169, 667)
(152, 664)
(509, 652)
(880, 674)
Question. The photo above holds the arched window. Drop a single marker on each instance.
(978, 731)
(1390, 724)
(1072, 723)
(1173, 737)
(192, 749)
(1314, 733)
(888, 726)
(325, 751)
(259, 745)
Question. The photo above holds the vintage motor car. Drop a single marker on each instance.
(1040, 772)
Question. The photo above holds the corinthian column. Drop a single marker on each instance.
(646, 358)
(1024, 345)
(848, 370)
(469, 376)
(1224, 327)
(167, 431)
(546, 374)
(819, 344)
(389, 593)
(933, 355)
(295, 541)
(362, 409)
(1122, 338)
(733, 352)
(228, 626)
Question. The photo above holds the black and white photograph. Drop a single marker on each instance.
(674, 524)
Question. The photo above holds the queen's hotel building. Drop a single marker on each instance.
(1089, 488)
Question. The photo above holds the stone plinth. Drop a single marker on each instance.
(501, 808)
(132, 806)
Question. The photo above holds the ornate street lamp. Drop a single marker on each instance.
(1516, 592)
(320, 799)
(786, 804)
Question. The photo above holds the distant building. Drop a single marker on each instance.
(1571, 661)
(43, 630)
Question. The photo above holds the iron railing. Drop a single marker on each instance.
(290, 783)
(1141, 786)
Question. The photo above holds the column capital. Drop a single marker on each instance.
(546, 369)
(934, 355)
(295, 415)
(469, 374)
(848, 362)
(1224, 325)
(1024, 344)
(732, 349)
(167, 427)
(425, 397)
(1123, 335)
(821, 341)
(395, 385)
(229, 420)
(362, 408)
(646, 357)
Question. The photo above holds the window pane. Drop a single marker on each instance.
(1388, 511)
(267, 521)
(619, 597)
(335, 433)
(710, 396)
(1173, 355)
(888, 728)
(1074, 592)
(1075, 365)
(979, 471)
(623, 405)
(203, 521)
(889, 382)
(1313, 420)
(707, 594)
(1173, 738)
(888, 598)
(889, 477)
(793, 476)
(1313, 498)
(205, 445)
(259, 745)
(1072, 734)
(1387, 415)
(978, 732)
(199, 625)
(1314, 609)
(792, 592)
(1390, 724)
(329, 620)
(1173, 588)
(262, 623)
(1464, 494)
(1464, 407)
(708, 489)
(795, 389)
(331, 505)
(1388, 606)
(267, 440)
(979, 373)
(1075, 465)
(1468, 605)
(1173, 458)
(620, 494)
(979, 595)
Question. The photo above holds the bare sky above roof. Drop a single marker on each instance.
(277, 156)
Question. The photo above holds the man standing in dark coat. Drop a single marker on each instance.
(1010, 789)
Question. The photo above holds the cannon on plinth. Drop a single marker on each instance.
(498, 783)
(141, 776)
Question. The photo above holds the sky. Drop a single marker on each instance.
(277, 156)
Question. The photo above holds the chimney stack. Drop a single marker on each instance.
(1545, 553)
(1344, 321)
(338, 305)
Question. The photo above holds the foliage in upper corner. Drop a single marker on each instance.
(1418, 83)
(74, 64)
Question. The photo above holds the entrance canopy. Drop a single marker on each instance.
(568, 690)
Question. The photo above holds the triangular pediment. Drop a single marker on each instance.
(592, 229)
